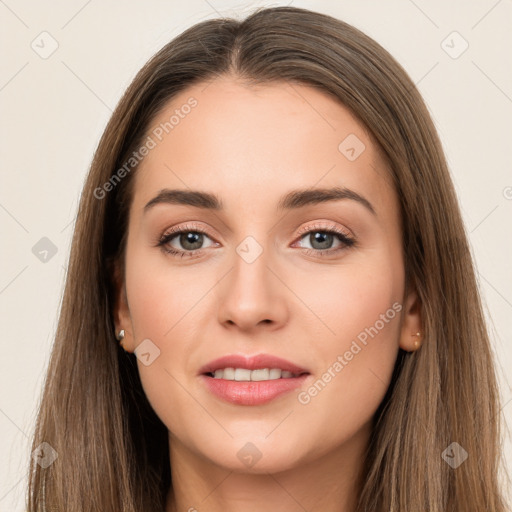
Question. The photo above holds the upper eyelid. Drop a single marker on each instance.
(317, 224)
(329, 226)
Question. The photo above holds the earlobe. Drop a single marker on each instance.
(411, 336)
(121, 312)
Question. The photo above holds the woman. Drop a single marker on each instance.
(270, 230)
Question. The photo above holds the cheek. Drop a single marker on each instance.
(160, 297)
(361, 312)
(167, 306)
(341, 302)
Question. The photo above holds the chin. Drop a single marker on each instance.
(258, 457)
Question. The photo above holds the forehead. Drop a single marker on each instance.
(245, 142)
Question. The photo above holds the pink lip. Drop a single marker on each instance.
(251, 363)
(249, 392)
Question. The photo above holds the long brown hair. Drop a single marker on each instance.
(112, 449)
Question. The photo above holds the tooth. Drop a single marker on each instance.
(258, 375)
(229, 373)
(275, 373)
(242, 374)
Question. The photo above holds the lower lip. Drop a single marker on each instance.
(251, 392)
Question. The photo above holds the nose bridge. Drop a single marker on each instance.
(251, 293)
(251, 262)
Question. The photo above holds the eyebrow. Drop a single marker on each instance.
(292, 200)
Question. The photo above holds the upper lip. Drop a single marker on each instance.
(251, 363)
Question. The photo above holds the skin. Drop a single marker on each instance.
(251, 145)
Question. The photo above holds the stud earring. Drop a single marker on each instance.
(417, 342)
(120, 337)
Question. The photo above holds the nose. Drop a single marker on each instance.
(253, 295)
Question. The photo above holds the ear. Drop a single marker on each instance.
(411, 323)
(121, 311)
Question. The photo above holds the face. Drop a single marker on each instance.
(316, 279)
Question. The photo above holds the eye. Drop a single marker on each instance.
(188, 241)
(189, 237)
(321, 239)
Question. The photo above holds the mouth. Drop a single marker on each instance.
(255, 380)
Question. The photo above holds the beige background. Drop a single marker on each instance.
(53, 111)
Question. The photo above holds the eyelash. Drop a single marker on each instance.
(346, 240)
